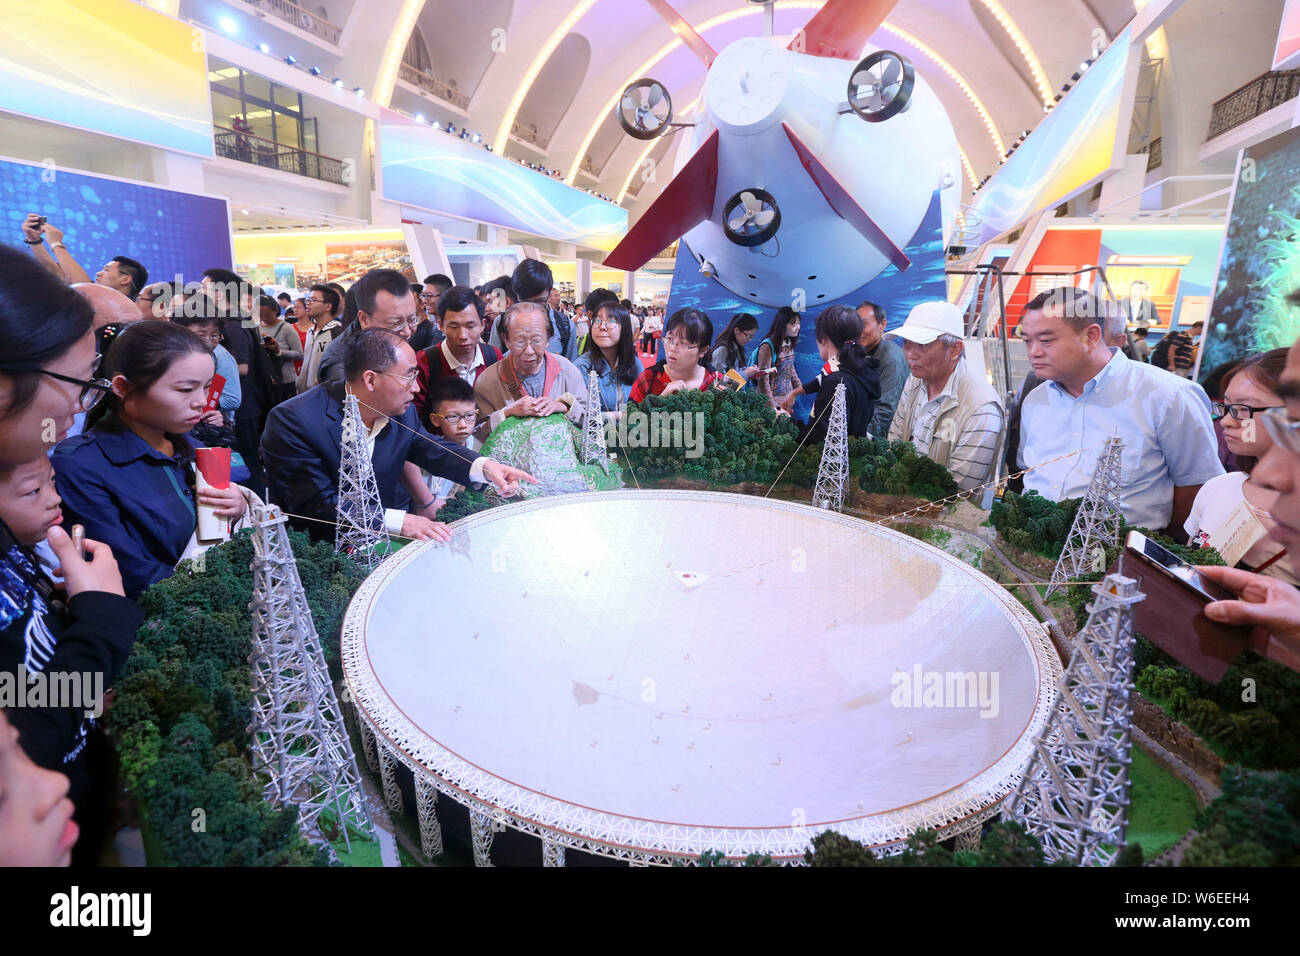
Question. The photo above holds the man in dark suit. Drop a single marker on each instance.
(1139, 310)
(301, 445)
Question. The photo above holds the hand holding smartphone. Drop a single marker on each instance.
(1172, 617)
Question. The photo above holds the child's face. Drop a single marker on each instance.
(210, 333)
(462, 424)
(29, 504)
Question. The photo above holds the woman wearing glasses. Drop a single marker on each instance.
(130, 478)
(687, 337)
(47, 358)
(610, 351)
(1230, 512)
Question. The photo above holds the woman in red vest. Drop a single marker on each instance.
(687, 338)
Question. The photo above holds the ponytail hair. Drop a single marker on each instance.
(842, 327)
(142, 354)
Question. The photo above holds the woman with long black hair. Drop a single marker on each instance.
(838, 329)
(729, 352)
(47, 364)
(688, 333)
(130, 478)
(775, 357)
(611, 352)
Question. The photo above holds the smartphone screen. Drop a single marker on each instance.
(1176, 567)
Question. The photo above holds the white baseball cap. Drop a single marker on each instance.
(929, 320)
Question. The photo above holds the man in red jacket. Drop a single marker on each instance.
(461, 353)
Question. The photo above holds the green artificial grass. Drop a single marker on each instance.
(1161, 806)
(364, 852)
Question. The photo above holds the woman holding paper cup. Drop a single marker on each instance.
(131, 479)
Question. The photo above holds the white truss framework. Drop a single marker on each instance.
(298, 736)
(360, 531)
(594, 449)
(495, 802)
(833, 472)
(1097, 522)
(1074, 796)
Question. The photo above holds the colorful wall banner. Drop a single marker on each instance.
(326, 256)
(171, 233)
(1286, 56)
(1074, 145)
(109, 66)
(1176, 263)
(440, 172)
(1261, 256)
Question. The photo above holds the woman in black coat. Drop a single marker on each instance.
(838, 330)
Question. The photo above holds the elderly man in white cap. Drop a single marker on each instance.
(947, 410)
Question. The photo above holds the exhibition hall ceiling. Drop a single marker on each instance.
(547, 70)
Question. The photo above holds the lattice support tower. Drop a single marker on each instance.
(552, 853)
(594, 449)
(426, 804)
(482, 828)
(833, 472)
(388, 776)
(1074, 795)
(299, 738)
(1096, 523)
(360, 531)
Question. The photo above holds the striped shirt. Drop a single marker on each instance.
(971, 460)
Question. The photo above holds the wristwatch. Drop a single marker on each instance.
(34, 242)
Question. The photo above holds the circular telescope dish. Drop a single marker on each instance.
(653, 674)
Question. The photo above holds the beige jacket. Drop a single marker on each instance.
(966, 394)
(493, 396)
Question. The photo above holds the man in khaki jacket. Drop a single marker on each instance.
(947, 410)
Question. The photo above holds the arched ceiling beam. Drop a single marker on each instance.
(393, 50)
(1026, 49)
(559, 33)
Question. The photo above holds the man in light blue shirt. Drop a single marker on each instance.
(1092, 392)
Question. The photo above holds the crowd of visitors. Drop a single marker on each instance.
(109, 387)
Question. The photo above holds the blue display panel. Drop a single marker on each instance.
(1073, 147)
(171, 233)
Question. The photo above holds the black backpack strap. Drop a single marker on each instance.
(566, 332)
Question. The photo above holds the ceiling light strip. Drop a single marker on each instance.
(393, 51)
(1022, 44)
(539, 61)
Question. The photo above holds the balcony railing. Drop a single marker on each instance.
(431, 84)
(1254, 99)
(529, 134)
(312, 23)
(247, 148)
(1154, 152)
